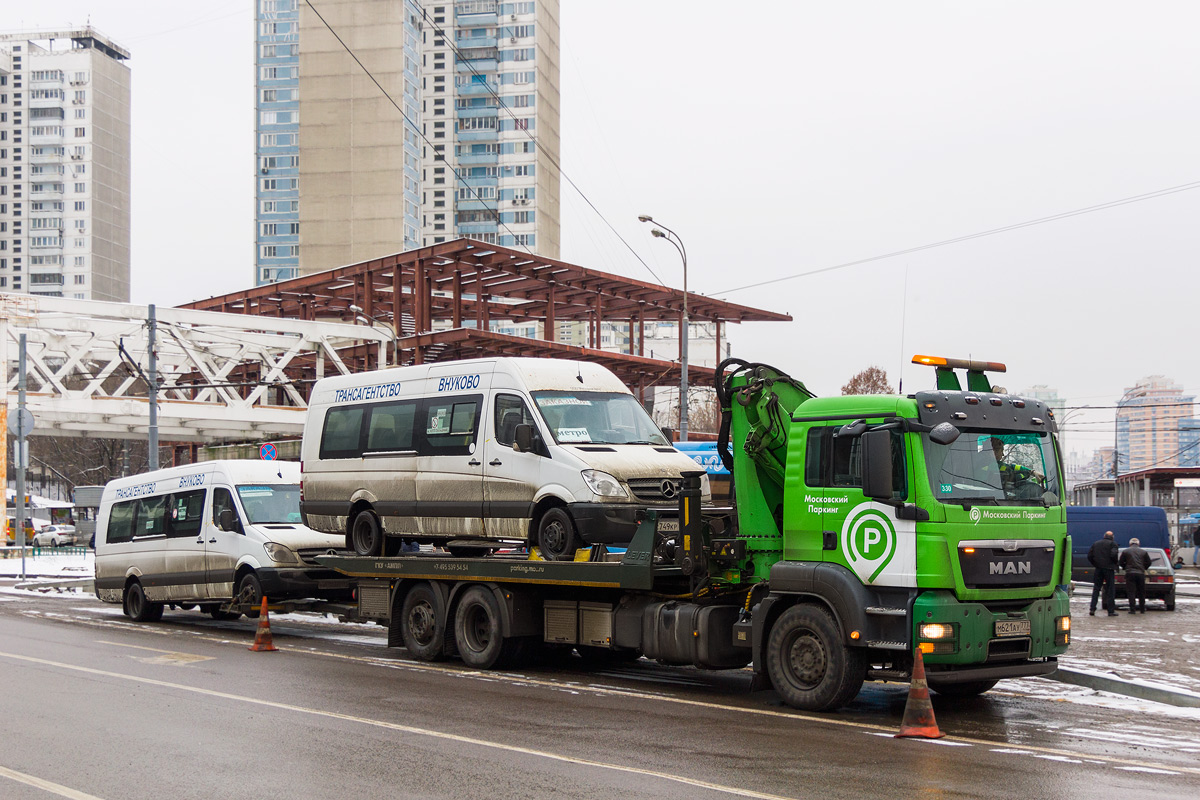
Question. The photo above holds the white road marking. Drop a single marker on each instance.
(166, 657)
(377, 723)
(45, 785)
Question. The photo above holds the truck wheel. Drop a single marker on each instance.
(138, 608)
(556, 535)
(477, 632)
(967, 689)
(366, 539)
(1169, 600)
(809, 665)
(423, 623)
(249, 594)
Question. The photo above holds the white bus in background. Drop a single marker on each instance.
(206, 534)
(550, 452)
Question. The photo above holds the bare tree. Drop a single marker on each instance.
(871, 380)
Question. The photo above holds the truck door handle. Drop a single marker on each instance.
(212, 540)
(473, 463)
(495, 462)
(199, 540)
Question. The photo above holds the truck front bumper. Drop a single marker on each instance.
(1008, 638)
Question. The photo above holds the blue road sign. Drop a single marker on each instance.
(268, 452)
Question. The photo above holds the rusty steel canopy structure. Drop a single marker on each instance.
(441, 302)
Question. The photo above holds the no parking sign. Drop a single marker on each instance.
(268, 452)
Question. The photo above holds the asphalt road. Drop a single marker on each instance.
(103, 707)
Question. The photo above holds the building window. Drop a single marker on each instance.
(80, 132)
(80, 280)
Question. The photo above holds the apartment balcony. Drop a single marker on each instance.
(474, 42)
(476, 205)
(479, 160)
(482, 112)
(475, 228)
(486, 135)
(480, 65)
(477, 89)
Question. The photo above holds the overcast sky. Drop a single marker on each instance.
(779, 138)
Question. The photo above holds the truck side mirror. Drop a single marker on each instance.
(944, 433)
(876, 454)
(225, 519)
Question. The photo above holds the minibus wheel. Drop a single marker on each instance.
(137, 607)
(556, 535)
(249, 594)
(366, 539)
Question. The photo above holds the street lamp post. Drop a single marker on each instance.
(672, 237)
(361, 316)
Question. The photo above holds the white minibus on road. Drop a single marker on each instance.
(551, 452)
(209, 533)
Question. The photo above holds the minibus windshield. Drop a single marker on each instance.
(597, 418)
(267, 503)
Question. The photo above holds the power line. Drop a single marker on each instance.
(414, 126)
(500, 103)
(991, 232)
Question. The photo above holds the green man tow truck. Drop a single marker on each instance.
(862, 529)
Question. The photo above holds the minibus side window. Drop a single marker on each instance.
(186, 513)
(151, 516)
(391, 426)
(120, 522)
(450, 425)
(511, 411)
(342, 435)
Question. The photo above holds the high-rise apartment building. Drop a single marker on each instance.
(338, 159)
(489, 92)
(1154, 421)
(64, 165)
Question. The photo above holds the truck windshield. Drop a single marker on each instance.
(267, 503)
(985, 467)
(597, 418)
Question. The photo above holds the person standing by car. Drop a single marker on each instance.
(1196, 546)
(1135, 561)
(1103, 557)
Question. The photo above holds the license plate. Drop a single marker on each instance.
(1012, 627)
(668, 526)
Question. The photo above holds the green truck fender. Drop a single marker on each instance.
(879, 615)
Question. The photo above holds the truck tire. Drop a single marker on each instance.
(809, 665)
(366, 537)
(478, 633)
(556, 536)
(137, 607)
(423, 623)
(966, 689)
(1169, 600)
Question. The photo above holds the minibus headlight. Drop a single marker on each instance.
(603, 484)
(280, 554)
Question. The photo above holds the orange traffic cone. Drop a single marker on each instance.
(918, 719)
(262, 639)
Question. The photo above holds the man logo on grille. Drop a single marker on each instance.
(868, 541)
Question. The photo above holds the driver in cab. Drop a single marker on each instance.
(1011, 475)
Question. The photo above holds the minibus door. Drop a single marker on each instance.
(224, 540)
(511, 478)
(450, 466)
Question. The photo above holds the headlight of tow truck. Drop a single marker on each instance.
(938, 637)
(280, 554)
(1062, 631)
(602, 484)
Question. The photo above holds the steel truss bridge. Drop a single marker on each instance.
(222, 377)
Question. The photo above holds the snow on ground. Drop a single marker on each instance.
(47, 563)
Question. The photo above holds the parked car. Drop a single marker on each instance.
(54, 536)
(1160, 578)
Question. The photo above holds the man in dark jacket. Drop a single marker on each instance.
(1103, 557)
(1135, 561)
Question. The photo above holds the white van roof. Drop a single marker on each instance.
(235, 471)
(535, 373)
